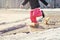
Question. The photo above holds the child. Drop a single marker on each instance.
(35, 10)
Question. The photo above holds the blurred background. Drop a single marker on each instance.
(16, 4)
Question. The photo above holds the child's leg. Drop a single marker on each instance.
(33, 20)
(32, 17)
(39, 19)
(37, 12)
(39, 15)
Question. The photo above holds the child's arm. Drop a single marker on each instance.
(43, 1)
(25, 1)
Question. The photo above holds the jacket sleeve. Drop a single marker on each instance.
(44, 2)
(25, 1)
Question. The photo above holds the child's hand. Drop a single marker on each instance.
(21, 6)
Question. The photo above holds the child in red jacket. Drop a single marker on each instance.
(35, 12)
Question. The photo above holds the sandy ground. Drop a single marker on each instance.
(51, 34)
(13, 17)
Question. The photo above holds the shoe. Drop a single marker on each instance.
(34, 25)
